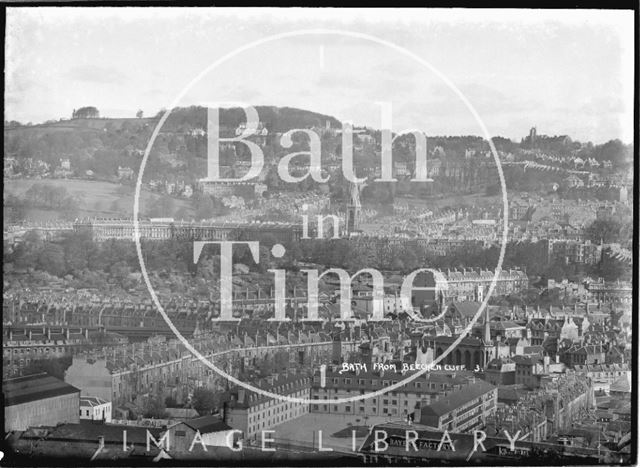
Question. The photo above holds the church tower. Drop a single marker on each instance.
(533, 134)
(487, 326)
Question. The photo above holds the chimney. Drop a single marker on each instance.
(241, 395)
(557, 359)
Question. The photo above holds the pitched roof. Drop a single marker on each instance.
(33, 388)
(89, 431)
(455, 399)
(92, 401)
(622, 384)
(467, 308)
(207, 424)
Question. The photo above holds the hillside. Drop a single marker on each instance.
(275, 119)
(76, 125)
(91, 198)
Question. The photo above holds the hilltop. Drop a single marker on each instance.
(275, 119)
(76, 125)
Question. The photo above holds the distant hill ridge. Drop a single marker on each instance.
(275, 119)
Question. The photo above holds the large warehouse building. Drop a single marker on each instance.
(39, 400)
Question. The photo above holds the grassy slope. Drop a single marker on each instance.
(97, 198)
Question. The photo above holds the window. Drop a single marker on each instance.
(180, 433)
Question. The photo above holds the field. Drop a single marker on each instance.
(96, 198)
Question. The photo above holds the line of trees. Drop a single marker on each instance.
(86, 263)
(41, 196)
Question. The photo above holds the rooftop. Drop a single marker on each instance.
(207, 424)
(33, 388)
(457, 398)
(92, 401)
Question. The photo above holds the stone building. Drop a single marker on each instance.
(252, 412)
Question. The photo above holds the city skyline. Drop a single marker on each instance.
(310, 293)
(587, 98)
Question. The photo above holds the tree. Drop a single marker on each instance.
(607, 231)
(204, 400)
(162, 208)
(492, 190)
(205, 208)
(51, 259)
(154, 408)
(139, 114)
(266, 367)
(397, 264)
(55, 367)
(281, 360)
(170, 402)
(611, 269)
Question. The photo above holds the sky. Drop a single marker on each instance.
(563, 71)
